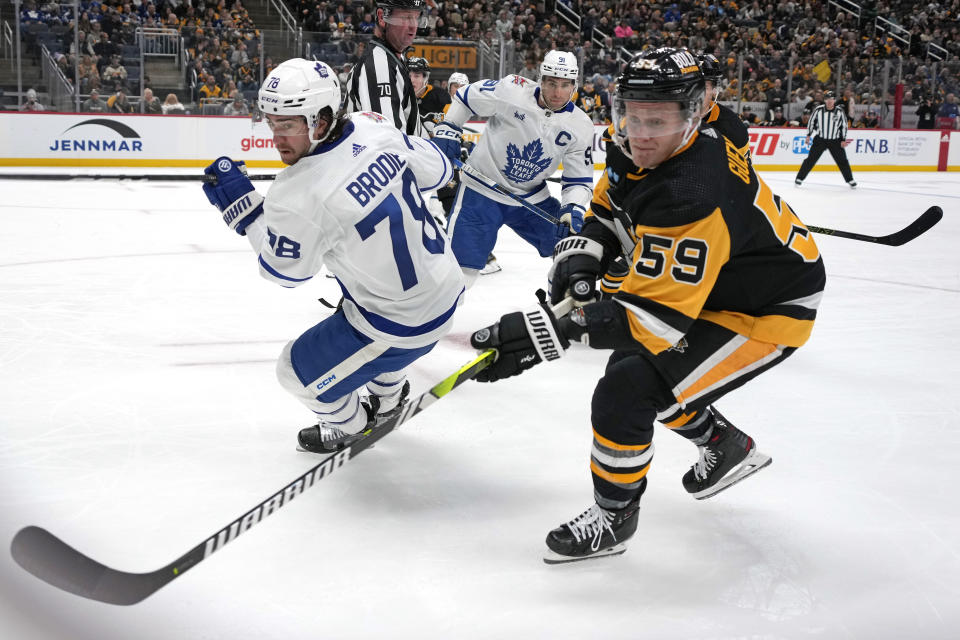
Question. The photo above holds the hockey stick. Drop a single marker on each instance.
(919, 226)
(493, 186)
(52, 560)
(160, 177)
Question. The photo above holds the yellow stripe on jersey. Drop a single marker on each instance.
(610, 444)
(681, 421)
(618, 478)
(600, 196)
(675, 267)
(743, 357)
(777, 329)
(714, 113)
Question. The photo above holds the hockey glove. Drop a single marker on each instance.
(572, 216)
(575, 269)
(232, 193)
(521, 339)
(447, 136)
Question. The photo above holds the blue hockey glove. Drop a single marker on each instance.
(232, 193)
(572, 216)
(447, 136)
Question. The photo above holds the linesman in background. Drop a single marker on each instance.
(828, 130)
(380, 81)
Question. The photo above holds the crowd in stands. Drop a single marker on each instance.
(769, 46)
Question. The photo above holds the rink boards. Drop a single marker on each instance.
(84, 140)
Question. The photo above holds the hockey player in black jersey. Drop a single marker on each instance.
(724, 283)
(715, 115)
(620, 167)
(430, 100)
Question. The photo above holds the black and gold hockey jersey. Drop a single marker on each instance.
(432, 104)
(708, 240)
(618, 164)
(728, 125)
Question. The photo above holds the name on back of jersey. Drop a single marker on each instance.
(378, 174)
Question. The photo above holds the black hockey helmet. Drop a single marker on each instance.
(827, 95)
(711, 67)
(415, 64)
(666, 74)
(661, 75)
(390, 5)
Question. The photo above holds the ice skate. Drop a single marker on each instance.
(321, 438)
(595, 533)
(727, 458)
(491, 266)
(390, 406)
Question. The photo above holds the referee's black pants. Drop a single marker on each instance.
(835, 147)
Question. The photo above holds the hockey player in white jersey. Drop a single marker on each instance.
(532, 128)
(351, 200)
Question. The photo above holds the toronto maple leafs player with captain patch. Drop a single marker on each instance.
(350, 200)
(532, 128)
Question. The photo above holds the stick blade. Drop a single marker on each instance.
(55, 562)
(921, 225)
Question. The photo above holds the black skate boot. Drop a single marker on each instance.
(595, 533)
(727, 458)
(321, 438)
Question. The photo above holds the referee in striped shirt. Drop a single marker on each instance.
(828, 129)
(380, 81)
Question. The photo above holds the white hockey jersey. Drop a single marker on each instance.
(354, 205)
(524, 143)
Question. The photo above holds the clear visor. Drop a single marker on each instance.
(405, 18)
(286, 126)
(637, 120)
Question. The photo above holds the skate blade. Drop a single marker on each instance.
(326, 453)
(750, 465)
(493, 267)
(552, 557)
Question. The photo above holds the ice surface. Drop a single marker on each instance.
(139, 413)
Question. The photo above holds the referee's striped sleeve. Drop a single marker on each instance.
(814, 120)
(376, 86)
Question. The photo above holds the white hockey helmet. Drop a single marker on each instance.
(458, 78)
(299, 87)
(560, 64)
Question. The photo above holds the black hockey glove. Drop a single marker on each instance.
(576, 267)
(521, 339)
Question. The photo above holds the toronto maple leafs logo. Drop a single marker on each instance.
(524, 166)
(321, 69)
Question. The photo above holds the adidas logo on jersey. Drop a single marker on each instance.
(357, 148)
